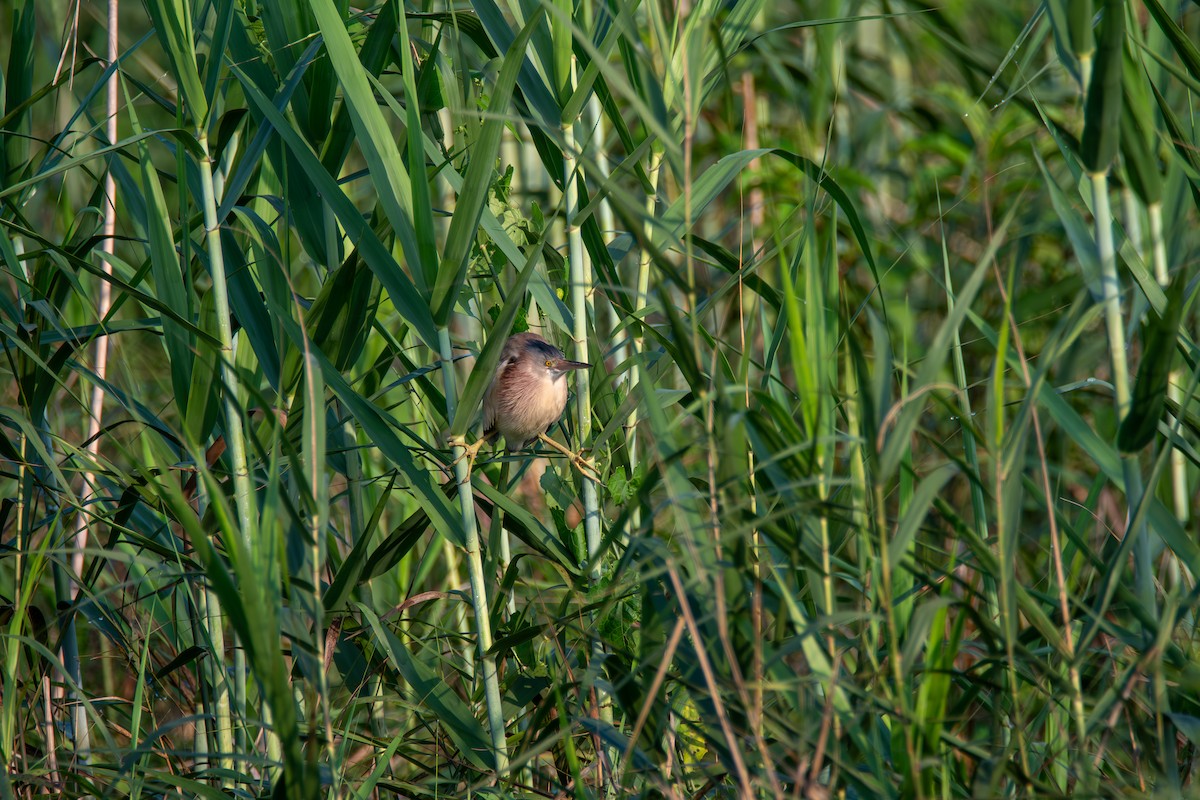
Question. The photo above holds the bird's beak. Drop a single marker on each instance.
(565, 365)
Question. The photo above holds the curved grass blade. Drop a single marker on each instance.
(1184, 46)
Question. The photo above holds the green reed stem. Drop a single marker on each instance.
(486, 666)
(243, 489)
(1111, 289)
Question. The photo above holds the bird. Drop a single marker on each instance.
(528, 393)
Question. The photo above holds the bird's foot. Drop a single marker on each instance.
(586, 467)
(469, 451)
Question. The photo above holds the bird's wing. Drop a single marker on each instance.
(489, 412)
(489, 399)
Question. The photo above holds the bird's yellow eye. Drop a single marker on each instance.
(549, 363)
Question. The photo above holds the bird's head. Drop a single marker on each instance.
(534, 354)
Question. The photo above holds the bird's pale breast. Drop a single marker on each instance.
(521, 415)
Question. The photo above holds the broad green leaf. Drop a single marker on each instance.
(375, 139)
(168, 277)
(917, 512)
(472, 198)
(1180, 143)
(200, 413)
(1102, 112)
(717, 177)
(1079, 28)
(340, 319)
(404, 295)
(530, 530)
(313, 439)
(17, 87)
(249, 162)
(395, 546)
(243, 600)
(39, 455)
(246, 304)
(1078, 231)
(1139, 138)
(1106, 457)
(582, 91)
(537, 94)
(173, 23)
(226, 12)
(1185, 46)
(1150, 390)
(422, 205)
(374, 55)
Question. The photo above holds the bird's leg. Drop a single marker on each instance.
(586, 468)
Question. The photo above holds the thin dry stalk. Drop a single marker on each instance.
(659, 677)
(1060, 578)
(48, 723)
(710, 679)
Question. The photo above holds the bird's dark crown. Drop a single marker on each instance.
(539, 348)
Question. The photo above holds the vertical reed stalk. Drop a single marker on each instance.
(1114, 321)
(25, 584)
(212, 622)
(104, 300)
(461, 623)
(48, 728)
(479, 602)
(1007, 621)
(581, 309)
(756, 214)
(100, 364)
(1098, 150)
(1158, 245)
(1060, 579)
(1180, 493)
(1082, 38)
(243, 489)
(620, 347)
(314, 456)
(641, 298)
(80, 734)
